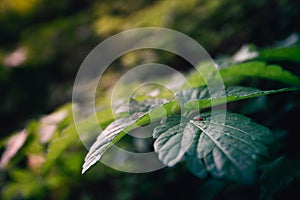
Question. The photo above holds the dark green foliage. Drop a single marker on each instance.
(224, 152)
(218, 147)
(226, 145)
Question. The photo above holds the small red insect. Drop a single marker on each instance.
(200, 119)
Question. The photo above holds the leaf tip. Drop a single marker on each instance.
(83, 170)
(89, 161)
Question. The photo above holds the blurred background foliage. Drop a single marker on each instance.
(43, 43)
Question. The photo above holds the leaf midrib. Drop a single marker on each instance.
(217, 143)
(237, 138)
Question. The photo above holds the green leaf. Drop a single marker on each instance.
(278, 54)
(141, 113)
(254, 69)
(204, 72)
(237, 73)
(174, 139)
(135, 106)
(200, 98)
(231, 149)
(194, 164)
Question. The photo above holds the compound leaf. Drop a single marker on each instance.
(141, 113)
(227, 148)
